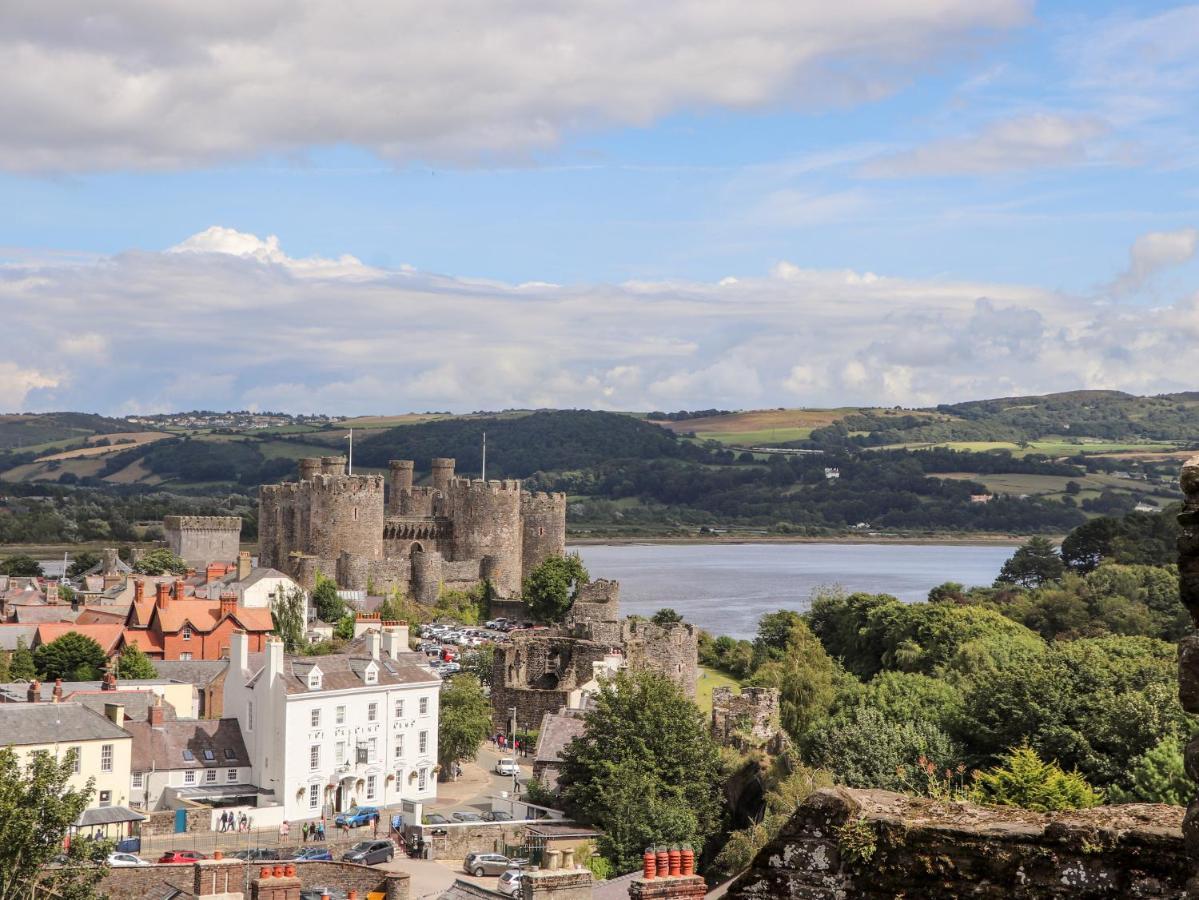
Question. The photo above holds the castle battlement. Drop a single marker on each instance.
(202, 523)
(344, 484)
(479, 486)
(542, 500)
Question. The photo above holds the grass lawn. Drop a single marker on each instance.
(755, 438)
(709, 679)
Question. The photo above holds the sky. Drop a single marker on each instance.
(384, 206)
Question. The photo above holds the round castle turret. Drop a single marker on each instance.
(400, 471)
(543, 529)
(486, 517)
(442, 470)
(346, 514)
(309, 466)
(333, 465)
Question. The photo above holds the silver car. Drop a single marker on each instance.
(480, 864)
(509, 883)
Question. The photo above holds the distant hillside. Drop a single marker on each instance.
(517, 447)
(23, 430)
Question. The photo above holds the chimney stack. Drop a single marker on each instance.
(274, 659)
(157, 713)
(395, 638)
(228, 603)
(109, 682)
(180, 588)
(243, 565)
(139, 590)
(115, 712)
(668, 874)
(163, 594)
(33, 694)
(57, 690)
(239, 651)
(276, 883)
(51, 592)
(109, 561)
(214, 572)
(373, 641)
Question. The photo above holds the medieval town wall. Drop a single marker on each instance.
(199, 540)
(486, 518)
(543, 528)
(670, 650)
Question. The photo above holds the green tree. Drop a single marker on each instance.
(21, 666)
(1034, 564)
(37, 809)
(83, 561)
(133, 663)
(329, 607)
(551, 588)
(479, 663)
(1158, 776)
(73, 656)
(464, 721)
(344, 629)
(865, 749)
(1024, 779)
(287, 616)
(22, 566)
(160, 561)
(645, 771)
(666, 616)
(806, 676)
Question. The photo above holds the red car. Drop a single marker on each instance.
(181, 856)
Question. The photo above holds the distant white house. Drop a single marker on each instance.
(831, 473)
(325, 733)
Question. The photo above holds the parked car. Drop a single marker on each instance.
(497, 815)
(172, 857)
(466, 817)
(480, 864)
(509, 883)
(435, 819)
(257, 854)
(368, 853)
(506, 766)
(312, 854)
(126, 859)
(359, 815)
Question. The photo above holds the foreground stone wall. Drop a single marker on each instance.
(876, 844)
(139, 882)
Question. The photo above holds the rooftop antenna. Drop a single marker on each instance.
(483, 474)
(350, 462)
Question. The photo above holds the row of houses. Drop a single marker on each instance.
(286, 737)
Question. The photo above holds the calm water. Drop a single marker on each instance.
(725, 588)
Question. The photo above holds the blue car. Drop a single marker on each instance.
(314, 853)
(362, 815)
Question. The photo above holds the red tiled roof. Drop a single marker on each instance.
(107, 636)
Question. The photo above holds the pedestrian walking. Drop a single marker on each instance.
(284, 831)
(320, 830)
(304, 832)
(375, 823)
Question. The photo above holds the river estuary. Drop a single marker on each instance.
(725, 588)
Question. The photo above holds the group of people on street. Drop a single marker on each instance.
(502, 742)
(228, 821)
(310, 831)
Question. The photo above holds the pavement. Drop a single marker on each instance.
(479, 782)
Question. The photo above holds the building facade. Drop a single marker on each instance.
(326, 733)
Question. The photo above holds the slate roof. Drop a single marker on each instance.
(10, 633)
(36, 615)
(22, 724)
(107, 815)
(614, 888)
(137, 703)
(192, 671)
(464, 890)
(557, 730)
(341, 671)
(157, 747)
(102, 615)
(18, 689)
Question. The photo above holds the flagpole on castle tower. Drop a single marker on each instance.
(350, 462)
(483, 474)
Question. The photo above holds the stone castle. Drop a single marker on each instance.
(387, 533)
(547, 670)
(199, 540)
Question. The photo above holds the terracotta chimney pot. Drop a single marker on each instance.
(649, 861)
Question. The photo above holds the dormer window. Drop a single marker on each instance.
(370, 675)
(187, 632)
(314, 679)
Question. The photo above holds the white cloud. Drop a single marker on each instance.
(1009, 145)
(1153, 252)
(168, 83)
(210, 328)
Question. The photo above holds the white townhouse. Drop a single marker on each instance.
(325, 733)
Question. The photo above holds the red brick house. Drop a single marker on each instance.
(182, 627)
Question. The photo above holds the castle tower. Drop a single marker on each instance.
(486, 521)
(333, 465)
(400, 471)
(199, 540)
(345, 515)
(442, 469)
(309, 466)
(543, 529)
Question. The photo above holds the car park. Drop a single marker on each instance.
(497, 815)
(506, 766)
(358, 816)
(178, 857)
(368, 853)
(118, 860)
(435, 819)
(466, 816)
(509, 883)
